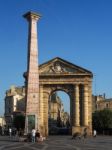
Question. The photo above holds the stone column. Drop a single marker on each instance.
(90, 108)
(41, 104)
(41, 119)
(45, 112)
(32, 82)
(77, 115)
(85, 105)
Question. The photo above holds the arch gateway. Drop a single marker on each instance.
(59, 74)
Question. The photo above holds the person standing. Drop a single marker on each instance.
(85, 133)
(94, 133)
(33, 135)
(10, 132)
(39, 137)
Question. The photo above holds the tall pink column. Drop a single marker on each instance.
(32, 80)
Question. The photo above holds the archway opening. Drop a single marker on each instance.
(59, 113)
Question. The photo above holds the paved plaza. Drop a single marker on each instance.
(59, 143)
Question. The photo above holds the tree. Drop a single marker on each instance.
(102, 120)
(19, 122)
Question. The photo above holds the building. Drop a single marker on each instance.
(100, 102)
(14, 103)
(57, 116)
(55, 107)
(2, 121)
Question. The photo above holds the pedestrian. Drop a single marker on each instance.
(33, 135)
(85, 133)
(94, 133)
(20, 132)
(39, 137)
(10, 132)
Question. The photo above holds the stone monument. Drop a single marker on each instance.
(55, 75)
(32, 82)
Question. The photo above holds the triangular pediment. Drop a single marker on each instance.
(61, 66)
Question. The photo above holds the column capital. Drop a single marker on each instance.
(31, 15)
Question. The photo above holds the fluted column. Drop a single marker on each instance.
(85, 105)
(77, 119)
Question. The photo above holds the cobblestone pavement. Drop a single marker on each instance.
(59, 143)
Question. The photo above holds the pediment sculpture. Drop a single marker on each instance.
(57, 67)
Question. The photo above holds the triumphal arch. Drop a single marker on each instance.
(59, 74)
(56, 74)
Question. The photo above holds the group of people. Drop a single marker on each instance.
(36, 136)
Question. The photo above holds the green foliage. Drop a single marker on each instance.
(19, 122)
(102, 120)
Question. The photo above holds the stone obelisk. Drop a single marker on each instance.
(32, 79)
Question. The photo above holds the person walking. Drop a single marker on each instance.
(33, 135)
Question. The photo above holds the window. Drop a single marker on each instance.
(107, 105)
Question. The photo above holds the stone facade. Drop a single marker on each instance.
(14, 103)
(55, 109)
(57, 116)
(58, 74)
(100, 103)
(2, 121)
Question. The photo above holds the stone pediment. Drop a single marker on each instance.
(60, 66)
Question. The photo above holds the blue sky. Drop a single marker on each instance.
(79, 31)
